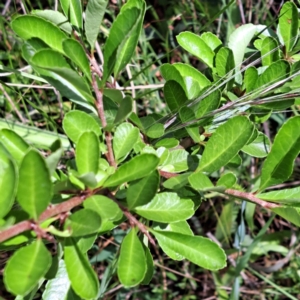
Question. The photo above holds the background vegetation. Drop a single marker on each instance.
(273, 272)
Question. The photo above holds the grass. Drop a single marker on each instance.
(36, 109)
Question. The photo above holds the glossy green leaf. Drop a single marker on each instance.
(142, 191)
(269, 51)
(125, 109)
(280, 161)
(177, 182)
(132, 265)
(286, 196)
(155, 131)
(169, 72)
(94, 13)
(291, 214)
(56, 70)
(76, 123)
(227, 180)
(14, 144)
(53, 159)
(119, 32)
(87, 153)
(28, 27)
(250, 79)
(288, 26)
(211, 40)
(113, 94)
(76, 53)
(60, 286)
(86, 242)
(104, 206)
(194, 80)
(150, 267)
(35, 186)
(225, 143)
(127, 47)
(26, 267)
(260, 147)
(125, 137)
(138, 167)
(238, 42)
(8, 181)
(166, 208)
(187, 115)
(225, 62)
(199, 250)
(55, 17)
(83, 222)
(83, 279)
(73, 10)
(174, 95)
(196, 46)
(167, 143)
(200, 181)
(177, 161)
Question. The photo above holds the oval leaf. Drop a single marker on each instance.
(138, 167)
(73, 10)
(280, 161)
(132, 263)
(174, 95)
(76, 122)
(225, 143)
(35, 186)
(167, 208)
(87, 153)
(26, 267)
(83, 279)
(199, 250)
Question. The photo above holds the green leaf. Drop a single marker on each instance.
(286, 196)
(177, 161)
(177, 182)
(174, 95)
(196, 46)
(199, 250)
(125, 137)
(86, 242)
(280, 161)
(55, 17)
(227, 180)
(200, 181)
(76, 53)
(169, 72)
(8, 181)
(288, 25)
(225, 63)
(127, 47)
(132, 265)
(35, 186)
(166, 208)
(55, 69)
(167, 143)
(94, 13)
(73, 10)
(125, 109)
(60, 286)
(250, 79)
(83, 222)
(142, 191)
(291, 214)
(53, 159)
(194, 80)
(76, 123)
(269, 51)
(138, 167)
(104, 206)
(83, 279)
(150, 267)
(211, 40)
(28, 27)
(260, 147)
(230, 137)
(87, 153)
(119, 32)
(187, 115)
(14, 144)
(155, 131)
(26, 267)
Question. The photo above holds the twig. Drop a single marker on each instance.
(250, 197)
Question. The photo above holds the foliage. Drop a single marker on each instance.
(155, 171)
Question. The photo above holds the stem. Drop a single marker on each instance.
(250, 197)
